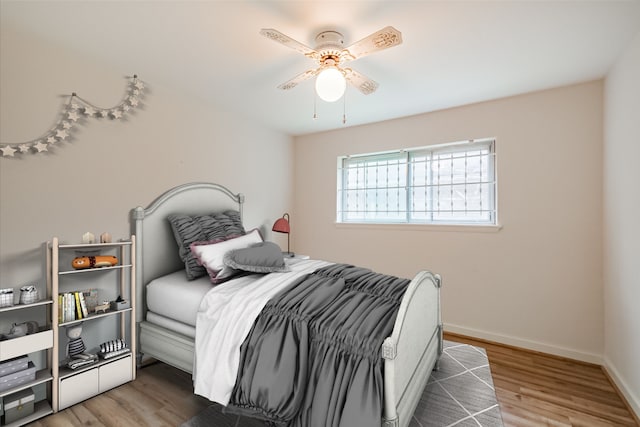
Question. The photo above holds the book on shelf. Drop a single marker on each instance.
(83, 304)
(76, 297)
(68, 307)
(65, 307)
(76, 305)
(60, 308)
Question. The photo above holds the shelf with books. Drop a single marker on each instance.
(86, 278)
(73, 306)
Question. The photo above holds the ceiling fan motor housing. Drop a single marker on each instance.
(329, 40)
(329, 45)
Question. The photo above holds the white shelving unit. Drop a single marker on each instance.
(71, 386)
(39, 341)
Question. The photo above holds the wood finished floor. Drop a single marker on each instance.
(533, 390)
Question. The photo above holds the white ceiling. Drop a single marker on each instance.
(453, 52)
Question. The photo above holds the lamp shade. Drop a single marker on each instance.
(330, 84)
(282, 224)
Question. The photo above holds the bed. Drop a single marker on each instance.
(408, 353)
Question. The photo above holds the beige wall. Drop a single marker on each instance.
(621, 225)
(92, 182)
(537, 282)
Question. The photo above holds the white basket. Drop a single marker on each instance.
(6, 297)
(28, 294)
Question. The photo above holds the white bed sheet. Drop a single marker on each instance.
(174, 297)
(224, 320)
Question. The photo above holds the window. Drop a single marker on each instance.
(444, 184)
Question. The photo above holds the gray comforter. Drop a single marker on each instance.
(313, 355)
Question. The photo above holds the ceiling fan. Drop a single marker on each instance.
(330, 54)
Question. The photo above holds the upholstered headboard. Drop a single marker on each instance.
(156, 247)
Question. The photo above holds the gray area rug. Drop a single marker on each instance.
(460, 393)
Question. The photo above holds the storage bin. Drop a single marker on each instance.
(119, 305)
(6, 297)
(19, 363)
(15, 379)
(18, 405)
(28, 294)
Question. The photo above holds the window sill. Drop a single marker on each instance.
(470, 228)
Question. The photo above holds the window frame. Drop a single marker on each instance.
(408, 216)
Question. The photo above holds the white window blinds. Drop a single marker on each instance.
(450, 184)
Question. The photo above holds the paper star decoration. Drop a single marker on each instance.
(72, 112)
(61, 133)
(8, 151)
(40, 147)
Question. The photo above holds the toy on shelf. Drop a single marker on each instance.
(22, 329)
(83, 262)
(113, 348)
(88, 238)
(104, 307)
(76, 345)
(76, 349)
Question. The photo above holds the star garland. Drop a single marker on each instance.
(75, 110)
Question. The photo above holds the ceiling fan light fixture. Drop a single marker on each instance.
(330, 84)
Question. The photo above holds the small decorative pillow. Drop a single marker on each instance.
(265, 257)
(202, 228)
(211, 256)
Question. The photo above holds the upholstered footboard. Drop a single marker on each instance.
(412, 350)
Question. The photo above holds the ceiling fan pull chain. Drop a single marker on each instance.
(344, 108)
(315, 102)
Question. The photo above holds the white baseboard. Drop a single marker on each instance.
(632, 400)
(527, 344)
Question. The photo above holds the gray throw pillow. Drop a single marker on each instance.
(188, 229)
(265, 257)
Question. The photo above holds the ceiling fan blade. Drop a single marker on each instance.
(290, 84)
(381, 39)
(277, 36)
(363, 83)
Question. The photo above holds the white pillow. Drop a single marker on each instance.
(211, 256)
